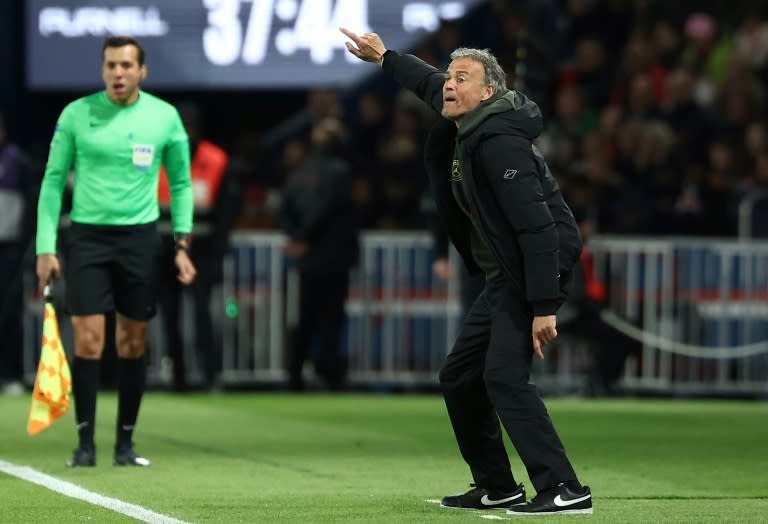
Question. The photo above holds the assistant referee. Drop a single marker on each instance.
(114, 141)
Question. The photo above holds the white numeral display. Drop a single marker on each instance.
(222, 36)
(314, 29)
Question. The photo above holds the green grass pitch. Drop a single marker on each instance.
(258, 457)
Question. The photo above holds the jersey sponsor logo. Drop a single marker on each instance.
(456, 171)
(510, 174)
(143, 155)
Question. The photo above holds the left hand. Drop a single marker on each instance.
(544, 331)
(185, 266)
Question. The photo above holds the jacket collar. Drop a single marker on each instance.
(495, 104)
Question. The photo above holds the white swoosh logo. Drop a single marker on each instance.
(485, 501)
(562, 503)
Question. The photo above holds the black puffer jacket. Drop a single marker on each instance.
(519, 207)
(317, 209)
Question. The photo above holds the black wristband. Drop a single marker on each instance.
(182, 237)
(180, 247)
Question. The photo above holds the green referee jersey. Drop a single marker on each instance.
(115, 152)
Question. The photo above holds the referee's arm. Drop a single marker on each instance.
(60, 160)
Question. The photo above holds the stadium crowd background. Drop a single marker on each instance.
(654, 115)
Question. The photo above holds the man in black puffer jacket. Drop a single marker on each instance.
(504, 212)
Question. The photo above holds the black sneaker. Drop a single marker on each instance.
(82, 458)
(126, 456)
(481, 498)
(556, 501)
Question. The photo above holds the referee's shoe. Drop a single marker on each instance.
(126, 456)
(481, 498)
(559, 500)
(82, 457)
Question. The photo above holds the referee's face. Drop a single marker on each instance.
(122, 73)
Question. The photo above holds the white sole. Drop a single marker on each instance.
(587, 511)
(475, 509)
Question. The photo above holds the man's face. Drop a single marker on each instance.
(464, 88)
(122, 73)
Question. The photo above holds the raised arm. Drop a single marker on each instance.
(409, 71)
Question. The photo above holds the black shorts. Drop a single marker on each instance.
(112, 268)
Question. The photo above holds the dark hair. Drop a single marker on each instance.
(120, 41)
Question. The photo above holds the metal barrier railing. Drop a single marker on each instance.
(398, 313)
(696, 308)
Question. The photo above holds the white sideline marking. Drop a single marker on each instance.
(433, 501)
(76, 492)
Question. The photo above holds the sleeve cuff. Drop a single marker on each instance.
(543, 309)
(387, 54)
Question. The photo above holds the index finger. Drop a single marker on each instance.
(352, 36)
(537, 348)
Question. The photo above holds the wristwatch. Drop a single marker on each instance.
(181, 242)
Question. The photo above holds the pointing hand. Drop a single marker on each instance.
(370, 47)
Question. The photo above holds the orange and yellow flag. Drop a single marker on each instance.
(50, 397)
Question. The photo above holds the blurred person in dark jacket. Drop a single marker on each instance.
(17, 187)
(504, 212)
(318, 216)
(217, 179)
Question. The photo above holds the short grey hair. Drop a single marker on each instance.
(494, 73)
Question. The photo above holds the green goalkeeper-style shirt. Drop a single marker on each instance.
(115, 152)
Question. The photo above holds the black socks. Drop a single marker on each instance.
(85, 386)
(131, 374)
